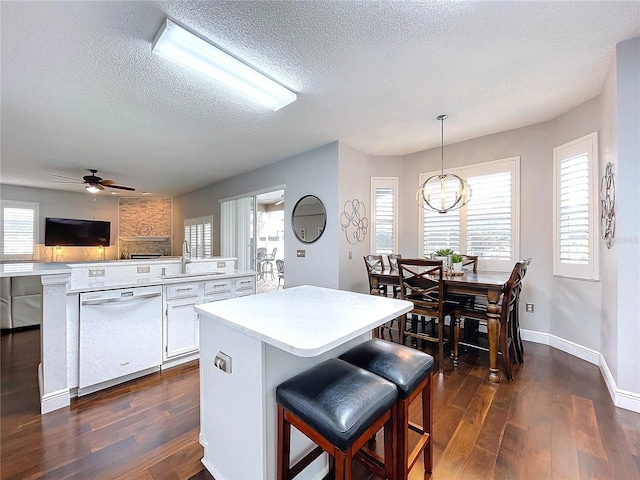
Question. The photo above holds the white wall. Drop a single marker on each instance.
(311, 173)
(627, 239)
(63, 204)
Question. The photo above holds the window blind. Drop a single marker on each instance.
(489, 216)
(574, 210)
(198, 232)
(384, 220)
(441, 230)
(19, 229)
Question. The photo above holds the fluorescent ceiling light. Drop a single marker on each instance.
(184, 48)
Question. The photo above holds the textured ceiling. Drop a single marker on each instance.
(81, 88)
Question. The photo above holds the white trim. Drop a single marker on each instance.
(255, 192)
(584, 145)
(621, 398)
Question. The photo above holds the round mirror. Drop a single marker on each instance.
(309, 219)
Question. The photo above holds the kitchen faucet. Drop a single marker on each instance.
(186, 250)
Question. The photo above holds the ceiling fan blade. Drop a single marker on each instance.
(107, 182)
(68, 178)
(121, 188)
(67, 182)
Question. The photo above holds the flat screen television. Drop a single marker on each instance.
(76, 233)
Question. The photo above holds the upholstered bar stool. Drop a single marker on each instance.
(339, 407)
(410, 370)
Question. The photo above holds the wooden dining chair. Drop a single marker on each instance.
(393, 264)
(469, 263)
(511, 347)
(374, 263)
(421, 283)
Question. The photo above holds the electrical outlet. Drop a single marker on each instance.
(96, 272)
(223, 362)
(529, 307)
(143, 269)
(301, 253)
(222, 265)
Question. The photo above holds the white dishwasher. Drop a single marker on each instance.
(120, 336)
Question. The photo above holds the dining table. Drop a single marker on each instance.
(488, 283)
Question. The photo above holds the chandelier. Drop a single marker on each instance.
(445, 191)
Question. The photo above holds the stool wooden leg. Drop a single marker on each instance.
(284, 445)
(427, 423)
(401, 437)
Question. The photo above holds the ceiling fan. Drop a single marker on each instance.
(93, 182)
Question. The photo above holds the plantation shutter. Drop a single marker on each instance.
(574, 210)
(19, 229)
(198, 232)
(489, 216)
(384, 219)
(441, 230)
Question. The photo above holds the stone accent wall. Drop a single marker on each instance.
(145, 217)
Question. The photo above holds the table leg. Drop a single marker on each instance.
(493, 323)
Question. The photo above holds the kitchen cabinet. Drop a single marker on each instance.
(181, 322)
(180, 332)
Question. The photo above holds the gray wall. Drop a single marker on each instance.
(627, 241)
(311, 173)
(58, 203)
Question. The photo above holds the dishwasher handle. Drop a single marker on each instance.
(100, 301)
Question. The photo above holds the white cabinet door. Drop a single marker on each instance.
(182, 329)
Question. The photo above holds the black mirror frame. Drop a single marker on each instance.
(293, 215)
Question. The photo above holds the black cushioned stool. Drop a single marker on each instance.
(339, 407)
(410, 370)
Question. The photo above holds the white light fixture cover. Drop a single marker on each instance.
(92, 189)
(184, 48)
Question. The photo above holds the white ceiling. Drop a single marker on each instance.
(81, 88)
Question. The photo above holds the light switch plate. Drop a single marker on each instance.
(223, 362)
(143, 269)
(301, 253)
(96, 272)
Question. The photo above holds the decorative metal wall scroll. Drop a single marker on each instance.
(354, 222)
(608, 206)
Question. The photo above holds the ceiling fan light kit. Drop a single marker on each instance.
(180, 46)
(94, 184)
(445, 191)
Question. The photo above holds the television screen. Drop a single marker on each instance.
(76, 233)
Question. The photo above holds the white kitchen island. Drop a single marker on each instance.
(269, 338)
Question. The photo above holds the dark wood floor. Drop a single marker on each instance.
(555, 421)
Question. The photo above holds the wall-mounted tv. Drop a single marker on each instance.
(76, 233)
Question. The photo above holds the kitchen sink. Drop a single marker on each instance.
(187, 275)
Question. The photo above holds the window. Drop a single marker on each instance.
(19, 230)
(488, 226)
(385, 215)
(198, 232)
(575, 207)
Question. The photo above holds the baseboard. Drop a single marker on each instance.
(621, 398)
(566, 346)
(54, 400)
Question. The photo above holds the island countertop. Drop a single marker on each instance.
(305, 321)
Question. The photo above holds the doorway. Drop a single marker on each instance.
(252, 230)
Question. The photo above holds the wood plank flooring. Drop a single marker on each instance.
(554, 421)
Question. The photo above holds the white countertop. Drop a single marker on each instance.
(24, 269)
(305, 321)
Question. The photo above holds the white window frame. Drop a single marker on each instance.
(484, 168)
(33, 206)
(384, 182)
(590, 271)
(193, 245)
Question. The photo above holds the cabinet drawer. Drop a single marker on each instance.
(182, 290)
(244, 284)
(217, 297)
(215, 288)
